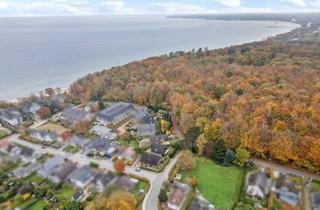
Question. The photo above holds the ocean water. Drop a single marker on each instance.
(40, 52)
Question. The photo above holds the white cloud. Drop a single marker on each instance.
(298, 3)
(3, 5)
(177, 8)
(118, 7)
(229, 3)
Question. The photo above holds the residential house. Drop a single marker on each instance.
(79, 142)
(28, 155)
(62, 171)
(177, 195)
(115, 114)
(200, 203)
(146, 130)
(151, 160)
(101, 180)
(159, 149)
(77, 196)
(81, 177)
(161, 139)
(286, 191)
(126, 183)
(73, 115)
(103, 132)
(47, 137)
(315, 200)
(94, 106)
(103, 147)
(258, 184)
(10, 149)
(11, 117)
(127, 153)
(29, 107)
(50, 166)
(25, 171)
(66, 136)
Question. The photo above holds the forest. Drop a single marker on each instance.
(263, 97)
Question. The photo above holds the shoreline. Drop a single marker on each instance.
(267, 37)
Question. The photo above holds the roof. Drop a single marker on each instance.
(158, 148)
(26, 152)
(146, 129)
(79, 141)
(284, 184)
(82, 174)
(200, 203)
(100, 144)
(115, 110)
(178, 194)
(104, 179)
(127, 182)
(73, 114)
(67, 135)
(159, 138)
(316, 199)
(29, 106)
(10, 114)
(259, 179)
(65, 169)
(43, 134)
(51, 164)
(151, 159)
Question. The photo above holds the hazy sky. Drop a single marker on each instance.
(108, 7)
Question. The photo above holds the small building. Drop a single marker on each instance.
(10, 149)
(50, 166)
(200, 203)
(258, 184)
(116, 113)
(28, 155)
(103, 147)
(286, 191)
(146, 130)
(81, 177)
(159, 149)
(77, 196)
(316, 200)
(62, 171)
(43, 136)
(29, 107)
(103, 132)
(79, 142)
(11, 117)
(127, 183)
(25, 171)
(151, 160)
(101, 180)
(74, 115)
(66, 136)
(177, 195)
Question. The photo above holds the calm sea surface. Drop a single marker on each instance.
(39, 52)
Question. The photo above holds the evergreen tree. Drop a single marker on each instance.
(219, 151)
(229, 157)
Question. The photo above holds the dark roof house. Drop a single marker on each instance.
(116, 113)
(159, 149)
(200, 203)
(62, 171)
(258, 184)
(11, 117)
(72, 115)
(151, 159)
(316, 200)
(287, 191)
(81, 177)
(101, 180)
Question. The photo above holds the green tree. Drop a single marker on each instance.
(72, 205)
(163, 197)
(242, 156)
(229, 157)
(219, 151)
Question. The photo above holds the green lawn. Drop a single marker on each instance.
(65, 193)
(71, 149)
(35, 179)
(3, 134)
(40, 205)
(220, 185)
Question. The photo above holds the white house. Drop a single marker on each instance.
(12, 117)
(258, 184)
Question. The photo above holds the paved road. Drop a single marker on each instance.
(156, 179)
(285, 169)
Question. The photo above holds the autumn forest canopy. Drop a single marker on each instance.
(264, 96)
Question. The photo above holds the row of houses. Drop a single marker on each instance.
(25, 154)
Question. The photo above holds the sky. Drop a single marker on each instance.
(128, 7)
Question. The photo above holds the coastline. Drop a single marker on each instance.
(293, 27)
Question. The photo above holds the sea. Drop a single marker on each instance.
(41, 52)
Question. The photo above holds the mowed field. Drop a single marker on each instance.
(220, 185)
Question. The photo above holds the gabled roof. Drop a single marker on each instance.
(115, 110)
(316, 199)
(10, 114)
(26, 152)
(65, 169)
(151, 159)
(158, 148)
(73, 114)
(49, 167)
(82, 174)
(79, 141)
(103, 178)
(259, 179)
